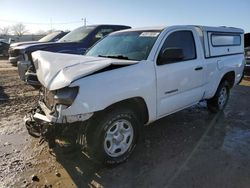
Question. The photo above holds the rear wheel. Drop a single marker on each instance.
(112, 136)
(220, 99)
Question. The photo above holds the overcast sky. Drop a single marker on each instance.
(68, 14)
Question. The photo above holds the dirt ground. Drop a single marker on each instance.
(191, 148)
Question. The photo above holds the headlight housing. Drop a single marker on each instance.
(66, 96)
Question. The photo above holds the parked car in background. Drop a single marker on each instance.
(131, 78)
(51, 37)
(247, 54)
(75, 42)
(4, 47)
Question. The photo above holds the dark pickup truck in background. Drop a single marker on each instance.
(247, 54)
(75, 42)
(51, 37)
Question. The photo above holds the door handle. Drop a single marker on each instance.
(198, 68)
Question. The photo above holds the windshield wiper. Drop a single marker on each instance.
(114, 56)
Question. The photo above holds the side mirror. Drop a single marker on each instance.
(170, 55)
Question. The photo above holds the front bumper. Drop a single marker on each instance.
(25, 73)
(49, 126)
(23, 67)
(41, 126)
(58, 115)
(15, 59)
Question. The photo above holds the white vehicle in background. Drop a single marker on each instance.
(132, 78)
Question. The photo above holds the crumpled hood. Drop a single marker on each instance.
(23, 43)
(37, 46)
(47, 46)
(57, 70)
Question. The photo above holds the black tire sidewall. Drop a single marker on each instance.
(97, 137)
(213, 103)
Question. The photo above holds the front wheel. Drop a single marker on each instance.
(220, 99)
(112, 136)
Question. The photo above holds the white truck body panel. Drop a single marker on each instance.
(176, 92)
(114, 86)
(165, 88)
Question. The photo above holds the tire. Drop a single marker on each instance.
(112, 136)
(220, 99)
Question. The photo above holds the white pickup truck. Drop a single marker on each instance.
(132, 78)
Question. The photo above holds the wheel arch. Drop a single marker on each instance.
(137, 104)
(229, 77)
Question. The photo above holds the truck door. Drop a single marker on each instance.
(179, 70)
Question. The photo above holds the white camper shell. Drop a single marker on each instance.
(221, 41)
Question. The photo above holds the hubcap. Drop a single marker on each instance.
(118, 138)
(222, 98)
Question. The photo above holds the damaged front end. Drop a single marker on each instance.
(61, 105)
(50, 122)
(40, 129)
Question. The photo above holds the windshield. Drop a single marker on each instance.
(77, 34)
(133, 45)
(49, 37)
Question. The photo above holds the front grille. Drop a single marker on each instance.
(48, 97)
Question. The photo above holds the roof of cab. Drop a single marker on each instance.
(112, 25)
(160, 28)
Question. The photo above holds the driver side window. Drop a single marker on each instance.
(179, 41)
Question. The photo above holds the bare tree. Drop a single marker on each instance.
(5, 30)
(19, 29)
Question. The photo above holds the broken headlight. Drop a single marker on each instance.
(66, 96)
